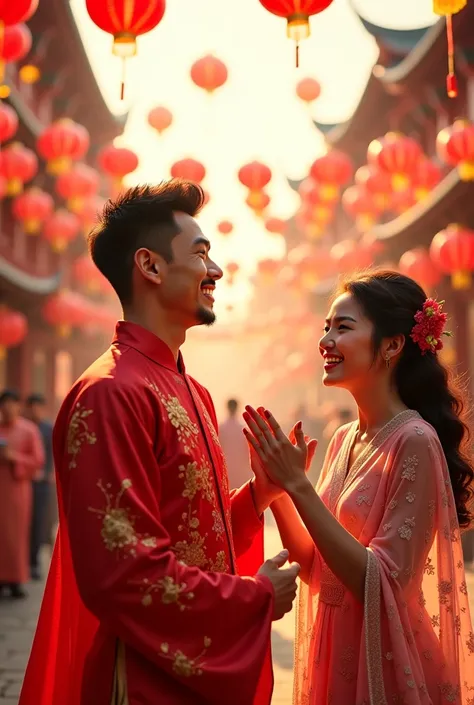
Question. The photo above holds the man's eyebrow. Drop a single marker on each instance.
(200, 240)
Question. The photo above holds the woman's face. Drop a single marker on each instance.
(347, 347)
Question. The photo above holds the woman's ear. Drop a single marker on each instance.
(393, 347)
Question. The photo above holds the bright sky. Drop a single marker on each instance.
(256, 115)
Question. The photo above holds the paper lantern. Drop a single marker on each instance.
(452, 251)
(15, 11)
(448, 8)
(209, 73)
(62, 143)
(255, 176)
(160, 119)
(361, 206)
(32, 208)
(398, 155)
(65, 310)
(258, 201)
(350, 256)
(426, 177)
(376, 182)
(297, 14)
(8, 122)
(455, 145)
(308, 90)
(13, 329)
(331, 171)
(232, 268)
(276, 226)
(86, 274)
(225, 227)
(117, 162)
(418, 265)
(16, 44)
(125, 21)
(61, 229)
(189, 169)
(18, 165)
(78, 185)
(89, 212)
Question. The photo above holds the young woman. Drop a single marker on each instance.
(383, 612)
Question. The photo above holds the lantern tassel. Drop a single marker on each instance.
(451, 80)
(122, 84)
(297, 55)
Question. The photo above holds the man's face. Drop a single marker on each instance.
(10, 411)
(187, 283)
(37, 412)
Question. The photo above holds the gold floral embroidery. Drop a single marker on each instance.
(429, 567)
(197, 479)
(405, 531)
(193, 553)
(186, 429)
(363, 499)
(387, 526)
(450, 692)
(171, 592)
(470, 642)
(409, 468)
(393, 503)
(410, 497)
(118, 525)
(220, 565)
(445, 588)
(218, 526)
(78, 433)
(435, 620)
(463, 588)
(418, 430)
(182, 665)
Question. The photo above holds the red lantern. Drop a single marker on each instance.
(297, 14)
(361, 206)
(276, 226)
(447, 8)
(62, 143)
(398, 155)
(267, 270)
(16, 44)
(18, 165)
(349, 256)
(61, 229)
(418, 265)
(209, 73)
(426, 177)
(77, 185)
(452, 251)
(258, 201)
(17, 11)
(160, 119)
(225, 227)
(311, 264)
(315, 211)
(189, 169)
(232, 269)
(117, 162)
(455, 145)
(255, 176)
(32, 208)
(13, 329)
(89, 212)
(376, 182)
(87, 274)
(125, 21)
(64, 310)
(8, 122)
(402, 201)
(308, 89)
(332, 171)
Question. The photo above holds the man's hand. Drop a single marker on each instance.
(283, 581)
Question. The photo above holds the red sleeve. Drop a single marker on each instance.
(246, 524)
(210, 630)
(28, 462)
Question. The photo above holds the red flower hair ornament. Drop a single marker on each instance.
(429, 327)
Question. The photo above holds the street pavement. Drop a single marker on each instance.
(18, 620)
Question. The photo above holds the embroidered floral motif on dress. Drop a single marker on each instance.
(405, 531)
(118, 525)
(409, 468)
(79, 433)
(183, 665)
(171, 592)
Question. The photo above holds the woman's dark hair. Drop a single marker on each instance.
(390, 301)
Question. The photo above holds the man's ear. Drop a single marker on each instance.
(149, 264)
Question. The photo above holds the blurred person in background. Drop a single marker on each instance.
(44, 495)
(235, 447)
(21, 459)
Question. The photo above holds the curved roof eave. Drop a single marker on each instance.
(397, 41)
(41, 286)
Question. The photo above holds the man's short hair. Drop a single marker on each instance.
(232, 405)
(142, 216)
(9, 395)
(35, 399)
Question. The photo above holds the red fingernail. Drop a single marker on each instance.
(267, 413)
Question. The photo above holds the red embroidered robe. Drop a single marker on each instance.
(143, 603)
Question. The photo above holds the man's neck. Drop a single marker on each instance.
(172, 334)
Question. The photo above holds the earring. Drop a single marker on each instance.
(387, 362)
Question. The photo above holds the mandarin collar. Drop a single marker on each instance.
(147, 343)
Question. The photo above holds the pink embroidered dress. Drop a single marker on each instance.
(411, 641)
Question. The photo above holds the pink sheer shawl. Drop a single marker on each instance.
(412, 640)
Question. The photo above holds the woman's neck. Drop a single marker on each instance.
(376, 407)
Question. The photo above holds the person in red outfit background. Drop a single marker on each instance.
(146, 600)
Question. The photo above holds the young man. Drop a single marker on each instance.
(235, 447)
(21, 458)
(43, 485)
(144, 603)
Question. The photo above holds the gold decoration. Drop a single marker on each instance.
(182, 665)
(448, 7)
(171, 592)
(78, 433)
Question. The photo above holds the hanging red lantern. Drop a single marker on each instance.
(62, 143)
(350, 256)
(117, 162)
(8, 122)
(426, 177)
(418, 265)
(87, 274)
(448, 8)
(18, 165)
(276, 226)
(297, 14)
(61, 229)
(258, 201)
(160, 119)
(16, 44)
(63, 311)
(308, 90)
(232, 268)
(452, 251)
(209, 73)
(225, 227)
(89, 212)
(32, 208)
(268, 269)
(13, 329)
(361, 206)
(398, 155)
(376, 182)
(78, 185)
(125, 21)
(331, 171)
(17, 11)
(402, 201)
(455, 145)
(255, 176)
(189, 169)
